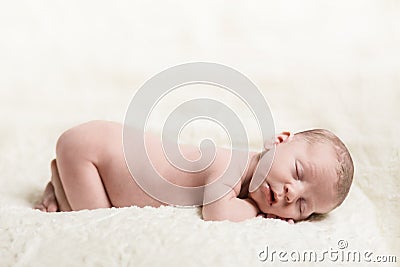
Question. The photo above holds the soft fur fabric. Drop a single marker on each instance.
(320, 64)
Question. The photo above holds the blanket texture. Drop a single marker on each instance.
(320, 64)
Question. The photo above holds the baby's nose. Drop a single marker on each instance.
(291, 192)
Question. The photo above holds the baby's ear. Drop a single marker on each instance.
(283, 137)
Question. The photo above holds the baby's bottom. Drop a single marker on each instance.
(78, 185)
(75, 181)
(90, 172)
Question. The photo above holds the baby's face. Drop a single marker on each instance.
(301, 181)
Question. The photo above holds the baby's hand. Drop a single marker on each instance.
(272, 216)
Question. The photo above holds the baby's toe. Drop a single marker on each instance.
(50, 204)
(40, 207)
(52, 207)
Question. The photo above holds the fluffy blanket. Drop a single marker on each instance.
(320, 64)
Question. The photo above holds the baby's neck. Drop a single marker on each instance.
(246, 179)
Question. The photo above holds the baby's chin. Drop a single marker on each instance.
(259, 199)
(262, 207)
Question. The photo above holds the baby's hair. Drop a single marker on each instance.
(345, 168)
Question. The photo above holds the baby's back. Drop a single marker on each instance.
(101, 143)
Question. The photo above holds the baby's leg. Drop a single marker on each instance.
(53, 198)
(48, 202)
(79, 178)
(59, 193)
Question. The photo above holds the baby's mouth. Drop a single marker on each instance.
(269, 194)
(273, 200)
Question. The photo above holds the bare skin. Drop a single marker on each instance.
(90, 172)
(49, 199)
(48, 202)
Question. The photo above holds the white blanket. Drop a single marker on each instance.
(319, 64)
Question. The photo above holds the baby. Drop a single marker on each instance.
(311, 174)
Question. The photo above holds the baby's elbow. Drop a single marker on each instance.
(212, 215)
(207, 216)
(213, 218)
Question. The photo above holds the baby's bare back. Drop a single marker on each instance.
(101, 143)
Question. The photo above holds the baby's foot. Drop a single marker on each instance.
(48, 202)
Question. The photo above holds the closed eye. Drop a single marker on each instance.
(297, 171)
(300, 206)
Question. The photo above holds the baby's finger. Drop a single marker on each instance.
(291, 221)
(271, 216)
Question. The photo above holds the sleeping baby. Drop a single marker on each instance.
(311, 173)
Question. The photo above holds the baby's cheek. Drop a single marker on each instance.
(286, 212)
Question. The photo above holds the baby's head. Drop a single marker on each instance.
(344, 164)
(311, 174)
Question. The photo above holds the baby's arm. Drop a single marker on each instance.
(231, 208)
(272, 216)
